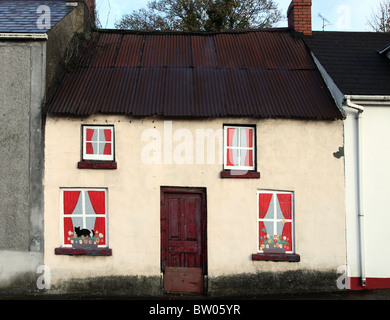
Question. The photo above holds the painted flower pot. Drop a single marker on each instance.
(84, 243)
(274, 250)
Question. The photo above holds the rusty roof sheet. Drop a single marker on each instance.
(265, 74)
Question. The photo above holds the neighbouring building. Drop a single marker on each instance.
(356, 67)
(35, 37)
(194, 162)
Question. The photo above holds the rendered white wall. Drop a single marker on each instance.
(376, 191)
(293, 156)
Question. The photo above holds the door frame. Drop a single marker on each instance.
(164, 227)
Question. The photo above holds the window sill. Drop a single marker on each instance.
(240, 174)
(97, 165)
(83, 252)
(289, 257)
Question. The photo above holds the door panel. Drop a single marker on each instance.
(183, 236)
(181, 280)
(174, 218)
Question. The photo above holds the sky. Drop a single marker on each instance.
(340, 15)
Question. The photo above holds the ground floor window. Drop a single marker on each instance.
(84, 218)
(275, 220)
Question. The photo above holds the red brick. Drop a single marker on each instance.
(299, 16)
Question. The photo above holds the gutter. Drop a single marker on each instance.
(23, 36)
(375, 100)
(359, 118)
(386, 51)
(367, 98)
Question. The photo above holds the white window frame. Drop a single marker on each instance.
(225, 147)
(98, 157)
(83, 215)
(275, 220)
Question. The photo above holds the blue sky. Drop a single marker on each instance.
(343, 15)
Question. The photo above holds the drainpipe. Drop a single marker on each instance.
(359, 118)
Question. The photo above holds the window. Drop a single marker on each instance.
(275, 222)
(239, 148)
(239, 152)
(98, 143)
(84, 218)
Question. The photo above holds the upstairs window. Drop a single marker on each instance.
(239, 148)
(98, 143)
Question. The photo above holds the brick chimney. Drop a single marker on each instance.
(91, 6)
(299, 16)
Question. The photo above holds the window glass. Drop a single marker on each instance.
(239, 148)
(98, 143)
(84, 216)
(275, 222)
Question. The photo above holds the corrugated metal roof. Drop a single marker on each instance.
(264, 74)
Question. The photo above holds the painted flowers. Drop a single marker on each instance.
(268, 241)
(85, 241)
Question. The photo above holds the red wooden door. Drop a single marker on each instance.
(183, 239)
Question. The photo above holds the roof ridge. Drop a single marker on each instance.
(174, 32)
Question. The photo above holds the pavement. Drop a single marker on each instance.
(377, 294)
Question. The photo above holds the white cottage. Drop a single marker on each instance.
(194, 162)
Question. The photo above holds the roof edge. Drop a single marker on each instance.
(188, 117)
(385, 50)
(23, 36)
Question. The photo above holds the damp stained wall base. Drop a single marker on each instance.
(264, 283)
(238, 285)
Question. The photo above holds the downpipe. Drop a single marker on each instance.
(359, 119)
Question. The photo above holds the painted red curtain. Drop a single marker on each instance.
(249, 143)
(70, 202)
(244, 139)
(89, 147)
(264, 202)
(285, 206)
(107, 137)
(229, 155)
(98, 201)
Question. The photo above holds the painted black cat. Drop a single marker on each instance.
(83, 232)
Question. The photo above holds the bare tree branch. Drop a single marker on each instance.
(202, 15)
(380, 20)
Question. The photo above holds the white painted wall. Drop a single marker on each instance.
(376, 199)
